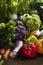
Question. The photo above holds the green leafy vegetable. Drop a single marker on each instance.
(7, 33)
(7, 8)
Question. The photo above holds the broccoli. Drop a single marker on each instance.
(32, 22)
(23, 6)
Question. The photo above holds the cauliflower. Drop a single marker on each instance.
(32, 22)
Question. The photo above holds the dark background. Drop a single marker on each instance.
(23, 61)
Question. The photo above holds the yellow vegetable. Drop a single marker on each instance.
(39, 45)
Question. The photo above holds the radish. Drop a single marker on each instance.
(18, 46)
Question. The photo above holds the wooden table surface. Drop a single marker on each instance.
(22, 61)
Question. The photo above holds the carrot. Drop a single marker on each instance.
(2, 51)
(6, 54)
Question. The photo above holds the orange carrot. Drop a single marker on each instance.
(6, 55)
(2, 51)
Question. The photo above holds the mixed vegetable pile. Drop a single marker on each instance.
(21, 28)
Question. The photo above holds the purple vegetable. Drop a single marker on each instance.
(21, 31)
